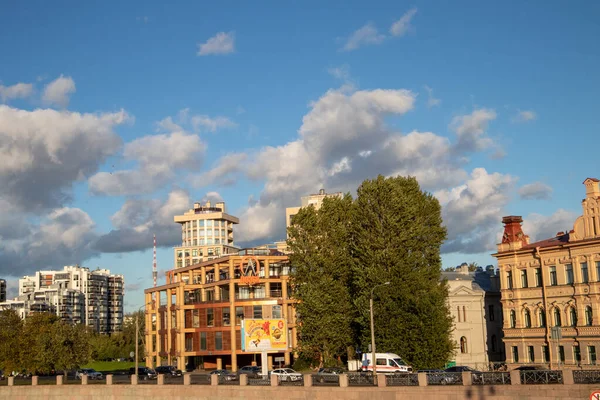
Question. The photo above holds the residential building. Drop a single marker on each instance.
(2, 290)
(76, 295)
(474, 300)
(551, 290)
(195, 320)
(206, 233)
(315, 200)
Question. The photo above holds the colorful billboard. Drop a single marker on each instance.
(264, 335)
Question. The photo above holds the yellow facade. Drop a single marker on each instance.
(551, 291)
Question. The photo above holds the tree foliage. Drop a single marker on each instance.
(391, 232)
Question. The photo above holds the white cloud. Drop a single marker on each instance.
(206, 123)
(470, 130)
(400, 27)
(342, 72)
(221, 43)
(540, 227)
(223, 172)
(366, 35)
(431, 100)
(16, 91)
(535, 191)
(524, 116)
(58, 91)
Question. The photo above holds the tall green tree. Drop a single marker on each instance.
(322, 262)
(397, 234)
(11, 327)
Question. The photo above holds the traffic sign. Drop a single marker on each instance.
(595, 395)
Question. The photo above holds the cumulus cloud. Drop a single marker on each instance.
(59, 91)
(43, 152)
(540, 227)
(366, 35)
(524, 116)
(471, 130)
(535, 191)
(221, 43)
(206, 123)
(223, 172)
(431, 100)
(402, 26)
(16, 91)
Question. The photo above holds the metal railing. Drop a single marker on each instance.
(326, 380)
(402, 380)
(290, 380)
(203, 379)
(491, 378)
(586, 377)
(541, 377)
(444, 378)
(362, 379)
(259, 380)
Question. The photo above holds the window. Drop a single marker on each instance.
(553, 280)
(598, 270)
(531, 354)
(546, 353)
(209, 222)
(569, 273)
(173, 319)
(226, 316)
(515, 354)
(509, 282)
(513, 319)
(239, 315)
(527, 319)
(218, 340)
(542, 318)
(557, 321)
(464, 314)
(588, 316)
(195, 318)
(202, 340)
(573, 316)
(584, 273)
(210, 317)
(561, 354)
(592, 354)
(276, 312)
(524, 278)
(257, 311)
(577, 354)
(201, 223)
(491, 312)
(494, 343)
(458, 312)
(463, 345)
(538, 277)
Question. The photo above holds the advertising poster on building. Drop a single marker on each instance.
(264, 335)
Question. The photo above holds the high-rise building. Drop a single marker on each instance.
(2, 290)
(75, 294)
(206, 233)
(315, 200)
(551, 290)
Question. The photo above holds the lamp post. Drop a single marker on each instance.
(137, 335)
(373, 359)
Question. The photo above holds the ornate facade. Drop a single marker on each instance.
(551, 290)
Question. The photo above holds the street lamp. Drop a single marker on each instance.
(373, 359)
(137, 335)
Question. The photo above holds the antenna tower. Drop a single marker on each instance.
(154, 270)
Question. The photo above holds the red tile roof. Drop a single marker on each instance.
(555, 241)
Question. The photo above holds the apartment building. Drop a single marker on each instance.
(2, 290)
(213, 314)
(315, 200)
(206, 233)
(75, 294)
(551, 290)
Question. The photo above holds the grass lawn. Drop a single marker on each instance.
(111, 366)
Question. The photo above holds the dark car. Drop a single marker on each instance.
(144, 373)
(225, 373)
(251, 370)
(168, 370)
(476, 376)
(537, 374)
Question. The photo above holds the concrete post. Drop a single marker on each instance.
(160, 379)
(243, 379)
(381, 381)
(515, 377)
(11, 381)
(568, 377)
(109, 379)
(422, 377)
(274, 380)
(467, 378)
(187, 379)
(84, 379)
(59, 380)
(134, 379)
(343, 380)
(34, 380)
(308, 380)
(214, 380)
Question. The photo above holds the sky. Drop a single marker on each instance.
(115, 116)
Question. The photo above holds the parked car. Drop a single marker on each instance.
(437, 377)
(225, 373)
(476, 376)
(168, 370)
(251, 370)
(144, 373)
(539, 374)
(324, 373)
(287, 374)
(90, 372)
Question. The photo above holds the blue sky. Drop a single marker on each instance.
(114, 116)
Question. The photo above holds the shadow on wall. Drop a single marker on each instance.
(479, 392)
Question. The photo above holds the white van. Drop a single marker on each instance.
(386, 363)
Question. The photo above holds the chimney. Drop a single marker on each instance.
(196, 205)
(592, 188)
(513, 233)
(321, 192)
